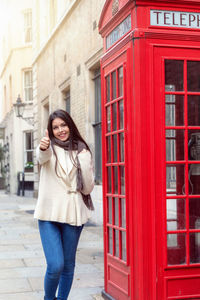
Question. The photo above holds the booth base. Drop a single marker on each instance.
(106, 296)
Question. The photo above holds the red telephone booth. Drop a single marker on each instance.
(151, 148)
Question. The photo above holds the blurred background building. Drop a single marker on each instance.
(50, 56)
(16, 80)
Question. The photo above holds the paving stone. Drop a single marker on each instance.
(11, 263)
(91, 256)
(83, 293)
(36, 284)
(24, 272)
(14, 286)
(91, 244)
(34, 262)
(86, 268)
(22, 296)
(100, 267)
(5, 248)
(97, 297)
(88, 280)
(20, 254)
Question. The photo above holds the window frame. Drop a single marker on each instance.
(26, 151)
(27, 15)
(28, 87)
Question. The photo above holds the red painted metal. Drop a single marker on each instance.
(156, 261)
(175, 280)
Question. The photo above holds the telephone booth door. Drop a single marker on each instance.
(114, 137)
(177, 164)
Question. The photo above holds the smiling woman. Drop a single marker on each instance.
(64, 202)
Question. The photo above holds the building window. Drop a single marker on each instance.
(28, 86)
(28, 151)
(66, 97)
(28, 26)
(97, 127)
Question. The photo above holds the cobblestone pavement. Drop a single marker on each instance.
(22, 263)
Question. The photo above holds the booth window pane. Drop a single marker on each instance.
(109, 210)
(194, 144)
(195, 248)
(116, 211)
(194, 213)
(110, 239)
(108, 149)
(108, 88)
(121, 112)
(174, 145)
(115, 147)
(174, 75)
(121, 137)
(116, 232)
(120, 81)
(124, 245)
(123, 212)
(175, 179)
(109, 180)
(193, 179)
(193, 75)
(175, 214)
(108, 113)
(194, 110)
(114, 116)
(122, 181)
(174, 110)
(176, 249)
(114, 85)
(115, 180)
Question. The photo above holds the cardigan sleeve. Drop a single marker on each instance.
(87, 170)
(43, 156)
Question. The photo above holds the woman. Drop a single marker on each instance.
(64, 203)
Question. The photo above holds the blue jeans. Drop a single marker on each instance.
(59, 241)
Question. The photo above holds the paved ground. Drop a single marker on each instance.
(22, 263)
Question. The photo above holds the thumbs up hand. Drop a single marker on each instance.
(45, 141)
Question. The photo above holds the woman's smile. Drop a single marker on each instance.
(60, 129)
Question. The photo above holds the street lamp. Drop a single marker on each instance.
(19, 110)
(19, 107)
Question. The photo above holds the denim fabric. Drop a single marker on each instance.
(59, 241)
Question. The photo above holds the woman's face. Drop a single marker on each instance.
(60, 129)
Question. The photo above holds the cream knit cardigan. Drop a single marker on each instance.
(58, 199)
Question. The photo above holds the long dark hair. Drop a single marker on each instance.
(74, 134)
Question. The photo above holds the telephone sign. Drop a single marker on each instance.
(175, 19)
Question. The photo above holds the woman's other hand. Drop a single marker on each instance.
(45, 141)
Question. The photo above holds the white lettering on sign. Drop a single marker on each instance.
(175, 19)
(118, 32)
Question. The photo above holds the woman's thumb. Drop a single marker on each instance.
(46, 133)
